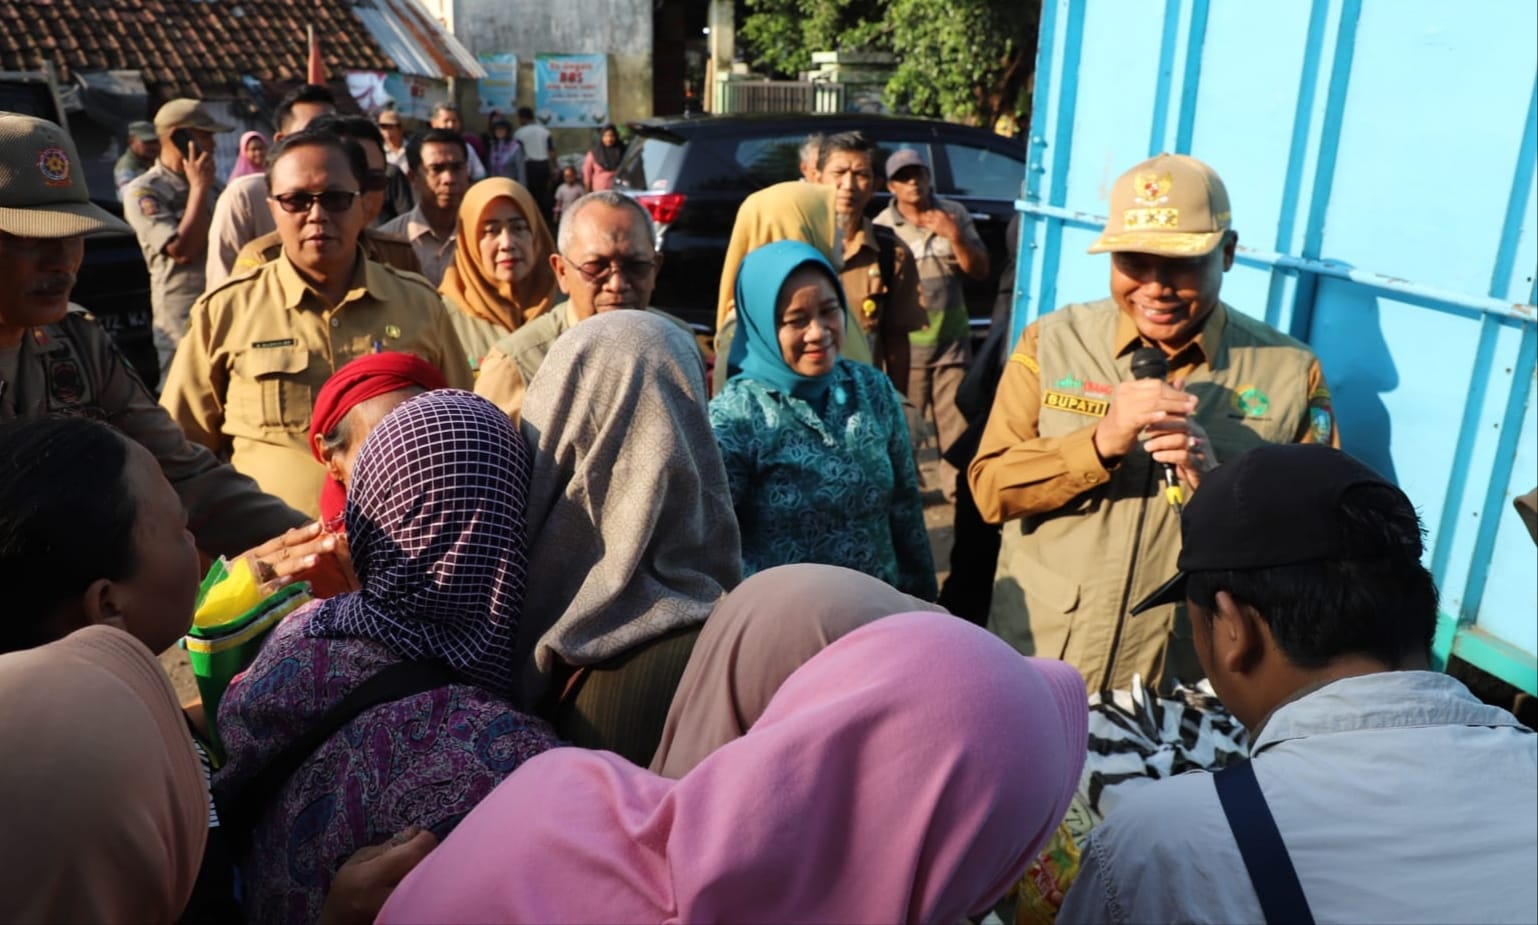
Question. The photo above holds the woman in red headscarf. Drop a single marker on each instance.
(351, 403)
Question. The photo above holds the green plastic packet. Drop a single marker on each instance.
(220, 649)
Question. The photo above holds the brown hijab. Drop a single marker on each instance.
(103, 797)
(766, 628)
(469, 282)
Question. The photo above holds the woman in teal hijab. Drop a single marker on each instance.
(816, 447)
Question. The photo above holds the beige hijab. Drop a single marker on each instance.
(631, 529)
(790, 211)
(468, 282)
(103, 797)
(757, 636)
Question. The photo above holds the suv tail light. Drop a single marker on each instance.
(664, 207)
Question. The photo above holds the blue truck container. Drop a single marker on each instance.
(1379, 155)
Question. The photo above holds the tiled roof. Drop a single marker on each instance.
(198, 48)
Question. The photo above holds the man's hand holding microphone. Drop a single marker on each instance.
(1157, 414)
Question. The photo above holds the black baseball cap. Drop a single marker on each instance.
(1274, 505)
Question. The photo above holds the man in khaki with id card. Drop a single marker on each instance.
(169, 207)
(1109, 412)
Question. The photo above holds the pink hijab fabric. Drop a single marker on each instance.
(908, 772)
(243, 163)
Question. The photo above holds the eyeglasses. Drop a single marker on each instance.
(332, 200)
(598, 272)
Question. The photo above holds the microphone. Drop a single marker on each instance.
(1150, 363)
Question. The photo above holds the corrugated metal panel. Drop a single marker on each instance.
(1380, 157)
(415, 41)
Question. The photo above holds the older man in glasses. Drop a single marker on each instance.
(605, 260)
(258, 347)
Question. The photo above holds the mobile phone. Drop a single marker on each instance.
(183, 141)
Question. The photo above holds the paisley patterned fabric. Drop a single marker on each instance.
(425, 760)
(839, 488)
(435, 521)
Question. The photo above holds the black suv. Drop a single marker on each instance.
(691, 174)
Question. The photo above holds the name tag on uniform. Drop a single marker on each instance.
(285, 342)
(1078, 404)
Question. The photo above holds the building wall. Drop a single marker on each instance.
(620, 28)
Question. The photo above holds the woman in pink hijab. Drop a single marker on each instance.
(253, 155)
(908, 772)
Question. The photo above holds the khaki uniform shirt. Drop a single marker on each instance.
(154, 205)
(896, 304)
(435, 254)
(512, 362)
(241, 215)
(377, 246)
(73, 368)
(262, 345)
(1085, 540)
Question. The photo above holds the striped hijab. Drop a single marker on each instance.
(435, 523)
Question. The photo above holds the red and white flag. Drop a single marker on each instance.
(316, 72)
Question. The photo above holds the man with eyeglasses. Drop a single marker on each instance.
(377, 245)
(260, 346)
(605, 260)
(437, 165)
(241, 213)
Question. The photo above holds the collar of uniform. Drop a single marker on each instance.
(862, 240)
(294, 287)
(159, 171)
(1202, 348)
(893, 214)
(1381, 700)
(417, 226)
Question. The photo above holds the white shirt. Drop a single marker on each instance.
(535, 139)
(1400, 797)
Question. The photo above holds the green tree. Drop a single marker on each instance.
(779, 36)
(964, 60)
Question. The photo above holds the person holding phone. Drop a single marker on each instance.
(169, 208)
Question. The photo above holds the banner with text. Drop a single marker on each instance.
(571, 91)
(498, 90)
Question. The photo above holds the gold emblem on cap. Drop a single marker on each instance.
(53, 164)
(1151, 188)
(392, 331)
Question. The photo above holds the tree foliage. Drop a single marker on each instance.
(963, 60)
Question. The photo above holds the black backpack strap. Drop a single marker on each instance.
(1260, 844)
(391, 683)
(886, 255)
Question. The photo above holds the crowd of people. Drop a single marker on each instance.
(608, 625)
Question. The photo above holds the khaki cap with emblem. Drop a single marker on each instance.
(1171, 205)
(185, 113)
(42, 191)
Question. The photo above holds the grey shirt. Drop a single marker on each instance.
(1400, 797)
(154, 205)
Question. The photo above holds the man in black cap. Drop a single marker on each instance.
(1377, 790)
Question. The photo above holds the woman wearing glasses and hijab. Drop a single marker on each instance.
(501, 276)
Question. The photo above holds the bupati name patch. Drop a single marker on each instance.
(1078, 404)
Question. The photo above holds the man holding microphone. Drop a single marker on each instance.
(1072, 460)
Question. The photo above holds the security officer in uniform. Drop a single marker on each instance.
(1071, 458)
(140, 154)
(169, 208)
(54, 359)
(259, 346)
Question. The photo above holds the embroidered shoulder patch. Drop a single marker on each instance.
(1321, 422)
(149, 206)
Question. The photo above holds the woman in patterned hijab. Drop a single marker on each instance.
(435, 519)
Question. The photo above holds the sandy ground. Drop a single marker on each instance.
(938, 516)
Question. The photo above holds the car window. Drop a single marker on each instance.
(984, 173)
(771, 159)
(649, 164)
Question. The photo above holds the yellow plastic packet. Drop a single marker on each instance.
(1048, 878)
(228, 597)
